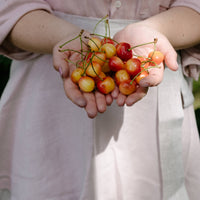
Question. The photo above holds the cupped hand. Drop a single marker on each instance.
(64, 62)
(137, 34)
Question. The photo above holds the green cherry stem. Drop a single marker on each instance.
(78, 36)
(99, 23)
(154, 42)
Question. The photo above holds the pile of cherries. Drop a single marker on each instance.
(107, 64)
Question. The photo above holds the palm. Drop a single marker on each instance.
(136, 35)
(65, 63)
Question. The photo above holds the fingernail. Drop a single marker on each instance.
(60, 71)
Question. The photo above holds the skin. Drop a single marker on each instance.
(41, 32)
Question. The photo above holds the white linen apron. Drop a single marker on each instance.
(170, 112)
(120, 141)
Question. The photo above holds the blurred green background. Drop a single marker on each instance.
(5, 69)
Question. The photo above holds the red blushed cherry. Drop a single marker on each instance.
(100, 77)
(144, 62)
(156, 56)
(124, 51)
(127, 87)
(107, 40)
(133, 66)
(93, 69)
(115, 63)
(106, 85)
(121, 76)
(86, 84)
(105, 67)
(140, 76)
(99, 57)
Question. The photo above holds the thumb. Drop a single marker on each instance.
(171, 60)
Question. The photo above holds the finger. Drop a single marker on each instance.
(171, 60)
(154, 77)
(73, 93)
(136, 96)
(170, 54)
(100, 101)
(109, 99)
(115, 93)
(91, 106)
(121, 99)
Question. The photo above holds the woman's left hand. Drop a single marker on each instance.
(136, 34)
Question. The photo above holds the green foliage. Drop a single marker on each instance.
(4, 72)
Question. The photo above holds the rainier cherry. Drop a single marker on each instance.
(124, 51)
(86, 84)
(93, 69)
(94, 43)
(121, 76)
(77, 74)
(98, 57)
(140, 76)
(127, 87)
(106, 85)
(144, 62)
(109, 49)
(156, 56)
(105, 67)
(107, 40)
(115, 63)
(133, 66)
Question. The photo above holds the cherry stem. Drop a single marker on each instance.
(154, 42)
(99, 23)
(104, 37)
(78, 36)
(96, 72)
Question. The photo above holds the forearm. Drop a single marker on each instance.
(38, 31)
(181, 25)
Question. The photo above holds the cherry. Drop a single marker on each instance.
(121, 76)
(94, 43)
(115, 63)
(93, 69)
(98, 57)
(133, 66)
(140, 76)
(100, 77)
(127, 87)
(107, 40)
(105, 67)
(124, 51)
(106, 85)
(157, 57)
(86, 84)
(77, 74)
(109, 49)
(144, 62)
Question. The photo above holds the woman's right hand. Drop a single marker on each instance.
(92, 102)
